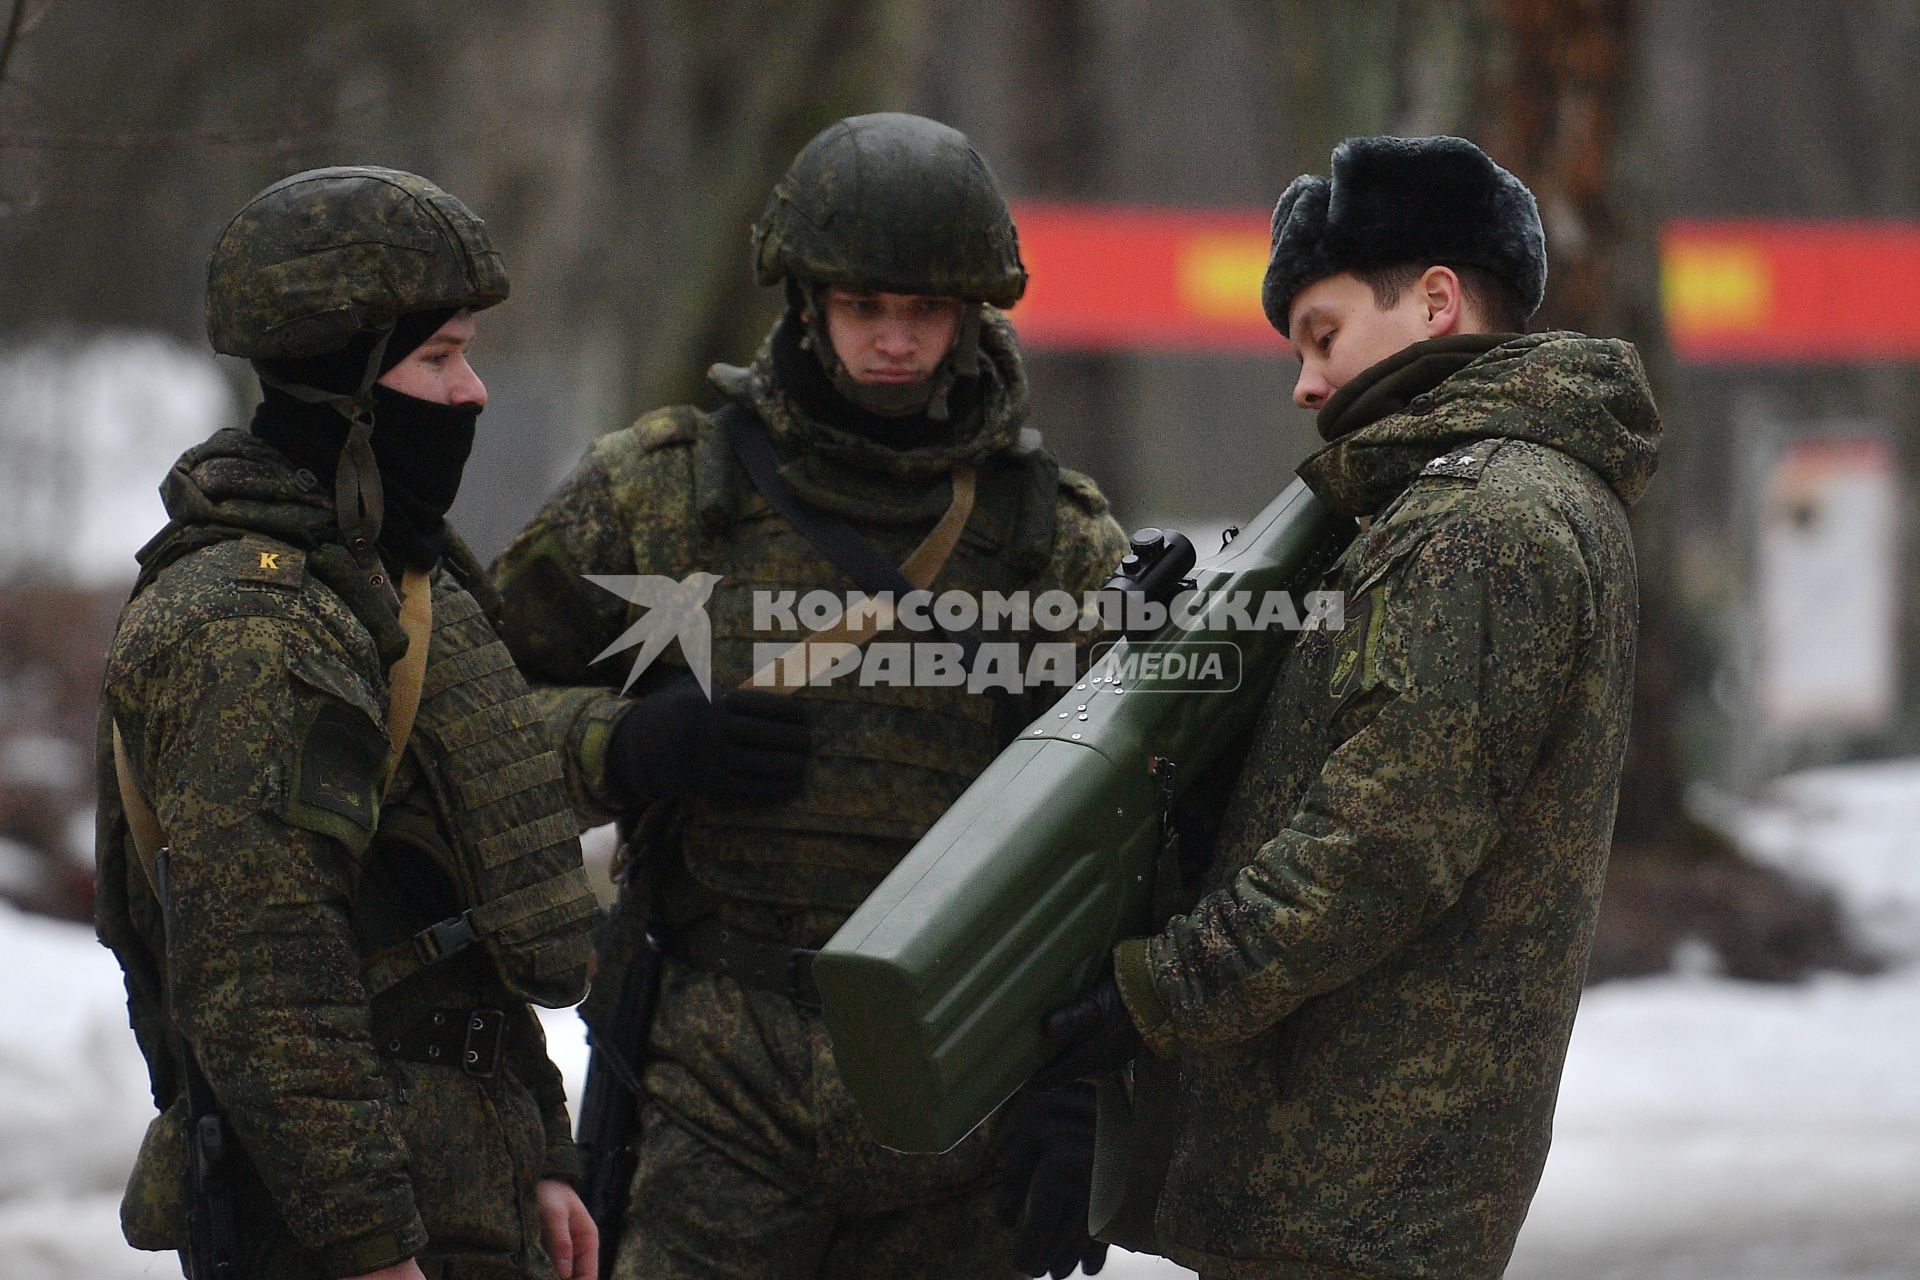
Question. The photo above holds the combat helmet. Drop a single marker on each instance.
(326, 257)
(329, 253)
(894, 203)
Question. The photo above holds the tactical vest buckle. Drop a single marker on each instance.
(449, 937)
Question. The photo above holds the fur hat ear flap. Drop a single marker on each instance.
(1404, 200)
(1299, 252)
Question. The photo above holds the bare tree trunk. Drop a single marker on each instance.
(716, 99)
(1552, 111)
(1552, 103)
(1062, 150)
(10, 39)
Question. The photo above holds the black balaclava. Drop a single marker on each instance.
(419, 447)
(932, 412)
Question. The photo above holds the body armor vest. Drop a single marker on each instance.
(887, 758)
(497, 783)
(514, 857)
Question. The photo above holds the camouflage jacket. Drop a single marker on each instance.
(1370, 1006)
(250, 693)
(667, 497)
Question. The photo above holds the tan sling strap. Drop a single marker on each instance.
(404, 679)
(405, 676)
(807, 659)
(144, 827)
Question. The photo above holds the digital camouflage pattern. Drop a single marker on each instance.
(1370, 1006)
(322, 255)
(895, 203)
(755, 1161)
(248, 677)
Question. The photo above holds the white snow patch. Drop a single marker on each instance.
(89, 426)
(73, 1089)
(1702, 1120)
(50, 1237)
(22, 870)
(41, 760)
(79, 830)
(1852, 829)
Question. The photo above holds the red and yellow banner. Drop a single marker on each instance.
(1108, 278)
(1105, 278)
(1740, 291)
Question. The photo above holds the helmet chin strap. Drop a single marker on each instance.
(358, 504)
(894, 399)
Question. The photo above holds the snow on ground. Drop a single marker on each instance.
(1852, 828)
(73, 1105)
(89, 427)
(21, 869)
(1707, 1130)
(1714, 1129)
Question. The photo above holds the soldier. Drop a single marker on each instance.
(889, 390)
(1369, 1005)
(367, 860)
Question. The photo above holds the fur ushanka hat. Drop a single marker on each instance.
(1438, 201)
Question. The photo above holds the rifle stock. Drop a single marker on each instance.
(213, 1241)
(609, 1125)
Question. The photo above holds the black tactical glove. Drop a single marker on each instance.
(1096, 1035)
(746, 746)
(1046, 1178)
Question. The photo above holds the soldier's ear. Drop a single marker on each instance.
(1444, 299)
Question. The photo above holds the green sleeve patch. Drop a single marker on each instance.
(552, 618)
(335, 779)
(1356, 665)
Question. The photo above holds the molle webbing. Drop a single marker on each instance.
(887, 759)
(858, 626)
(500, 788)
(767, 964)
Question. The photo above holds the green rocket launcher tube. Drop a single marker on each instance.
(934, 989)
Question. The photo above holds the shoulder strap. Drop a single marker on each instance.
(837, 540)
(174, 542)
(144, 827)
(808, 658)
(406, 675)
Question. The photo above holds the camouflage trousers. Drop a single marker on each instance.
(754, 1163)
